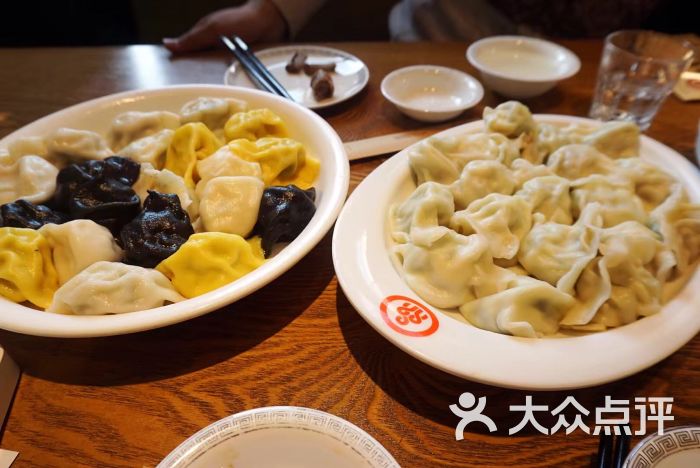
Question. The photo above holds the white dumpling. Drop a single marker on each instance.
(224, 163)
(558, 253)
(615, 195)
(523, 170)
(549, 196)
(678, 222)
(30, 177)
(615, 139)
(211, 111)
(502, 219)
(113, 288)
(33, 145)
(481, 178)
(577, 161)
(133, 125)
(453, 270)
(441, 159)
(528, 308)
(430, 206)
(651, 184)
(550, 138)
(77, 145)
(165, 181)
(231, 204)
(510, 118)
(78, 244)
(151, 149)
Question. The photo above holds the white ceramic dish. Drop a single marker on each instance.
(280, 436)
(320, 141)
(431, 93)
(446, 341)
(678, 447)
(350, 77)
(520, 66)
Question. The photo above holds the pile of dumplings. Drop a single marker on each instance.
(167, 206)
(532, 229)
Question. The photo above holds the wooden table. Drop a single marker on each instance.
(129, 400)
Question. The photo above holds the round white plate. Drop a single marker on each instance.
(350, 77)
(678, 447)
(317, 136)
(446, 341)
(280, 437)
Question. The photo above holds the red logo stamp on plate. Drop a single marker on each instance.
(408, 317)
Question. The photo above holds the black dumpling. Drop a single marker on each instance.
(157, 232)
(24, 214)
(284, 213)
(100, 191)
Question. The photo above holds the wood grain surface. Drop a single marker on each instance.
(129, 400)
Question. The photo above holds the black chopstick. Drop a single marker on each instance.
(604, 451)
(257, 72)
(622, 446)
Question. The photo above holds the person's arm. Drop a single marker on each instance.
(255, 21)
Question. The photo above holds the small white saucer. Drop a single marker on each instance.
(677, 447)
(280, 436)
(431, 93)
(350, 77)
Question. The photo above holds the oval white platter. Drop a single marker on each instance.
(350, 77)
(446, 341)
(280, 436)
(319, 139)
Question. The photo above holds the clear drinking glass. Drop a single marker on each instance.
(637, 72)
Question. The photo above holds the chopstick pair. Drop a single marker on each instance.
(257, 72)
(609, 457)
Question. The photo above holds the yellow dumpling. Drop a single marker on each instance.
(282, 160)
(191, 142)
(27, 272)
(209, 260)
(254, 124)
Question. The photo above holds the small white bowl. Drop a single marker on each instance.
(520, 66)
(431, 93)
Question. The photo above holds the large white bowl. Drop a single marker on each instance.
(520, 66)
(317, 136)
(445, 340)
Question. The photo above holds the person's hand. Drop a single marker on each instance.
(255, 21)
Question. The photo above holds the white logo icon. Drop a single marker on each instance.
(467, 400)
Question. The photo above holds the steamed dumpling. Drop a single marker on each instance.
(480, 178)
(254, 124)
(78, 244)
(131, 126)
(549, 196)
(550, 138)
(283, 161)
(113, 288)
(615, 139)
(209, 260)
(30, 177)
(211, 111)
(528, 308)
(424, 216)
(151, 149)
(523, 170)
(224, 163)
(33, 145)
(453, 270)
(191, 143)
(616, 197)
(502, 219)
(558, 253)
(578, 161)
(27, 272)
(651, 184)
(231, 204)
(678, 222)
(73, 145)
(510, 118)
